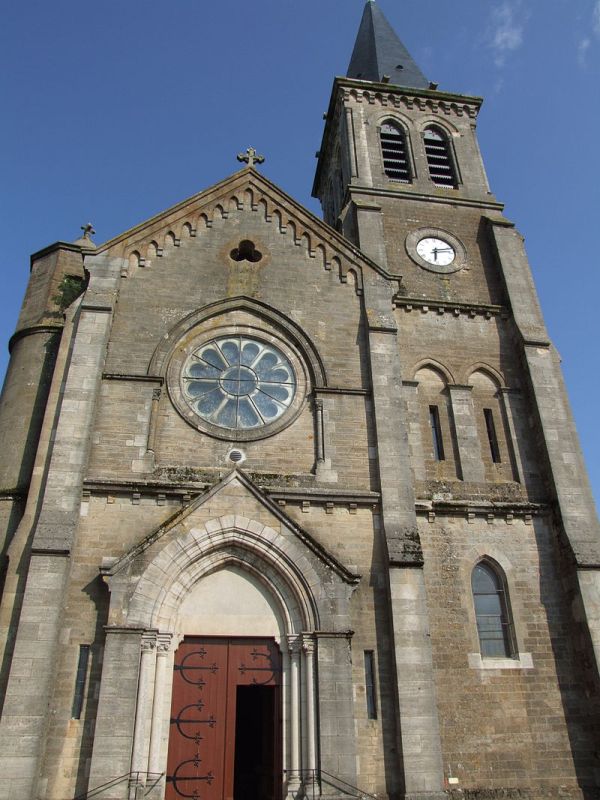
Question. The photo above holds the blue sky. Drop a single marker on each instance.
(114, 111)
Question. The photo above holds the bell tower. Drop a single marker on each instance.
(485, 411)
(391, 137)
(400, 175)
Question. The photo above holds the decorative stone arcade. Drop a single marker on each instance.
(230, 577)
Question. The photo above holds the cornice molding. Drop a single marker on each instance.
(387, 94)
(31, 330)
(474, 510)
(186, 492)
(115, 376)
(430, 304)
(404, 194)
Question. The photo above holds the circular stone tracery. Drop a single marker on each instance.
(238, 382)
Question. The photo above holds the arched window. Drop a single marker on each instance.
(494, 626)
(394, 152)
(438, 437)
(439, 159)
(494, 437)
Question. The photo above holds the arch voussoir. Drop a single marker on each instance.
(276, 559)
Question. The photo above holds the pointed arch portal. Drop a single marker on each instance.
(225, 731)
(233, 618)
(225, 725)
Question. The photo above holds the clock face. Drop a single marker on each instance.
(436, 251)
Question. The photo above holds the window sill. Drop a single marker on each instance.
(524, 661)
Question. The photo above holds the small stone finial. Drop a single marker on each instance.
(250, 157)
(88, 230)
(86, 239)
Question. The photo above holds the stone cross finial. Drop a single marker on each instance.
(250, 157)
(88, 230)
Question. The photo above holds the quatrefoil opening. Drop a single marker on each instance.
(246, 251)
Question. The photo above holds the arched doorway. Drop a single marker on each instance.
(256, 593)
(225, 726)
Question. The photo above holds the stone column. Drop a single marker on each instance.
(139, 757)
(467, 436)
(351, 140)
(308, 649)
(357, 143)
(295, 776)
(325, 431)
(163, 647)
(285, 711)
(22, 405)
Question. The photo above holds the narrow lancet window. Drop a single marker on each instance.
(492, 612)
(370, 684)
(436, 433)
(394, 152)
(439, 159)
(82, 668)
(491, 433)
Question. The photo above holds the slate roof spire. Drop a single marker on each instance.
(378, 51)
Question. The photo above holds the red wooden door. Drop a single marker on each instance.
(209, 674)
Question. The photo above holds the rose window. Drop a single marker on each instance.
(238, 382)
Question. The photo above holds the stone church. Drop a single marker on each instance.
(296, 508)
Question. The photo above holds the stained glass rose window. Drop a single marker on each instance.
(238, 382)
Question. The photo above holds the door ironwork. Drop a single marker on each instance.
(202, 737)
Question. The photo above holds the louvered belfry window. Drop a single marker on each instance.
(439, 160)
(394, 151)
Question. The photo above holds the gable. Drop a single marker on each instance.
(232, 529)
(235, 491)
(245, 191)
(190, 267)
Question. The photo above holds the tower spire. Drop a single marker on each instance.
(378, 52)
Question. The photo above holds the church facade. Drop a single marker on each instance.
(296, 507)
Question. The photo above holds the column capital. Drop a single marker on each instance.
(459, 387)
(163, 643)
(148, 643)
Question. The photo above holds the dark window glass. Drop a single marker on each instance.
(370, 684)
(394, 152)
(3, 571)
(439, 160)
(82, 667)
(491, 611)
(436, 433)
(491, 433)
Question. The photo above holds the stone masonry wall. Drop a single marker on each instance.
(529, 725)
(113, 524)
